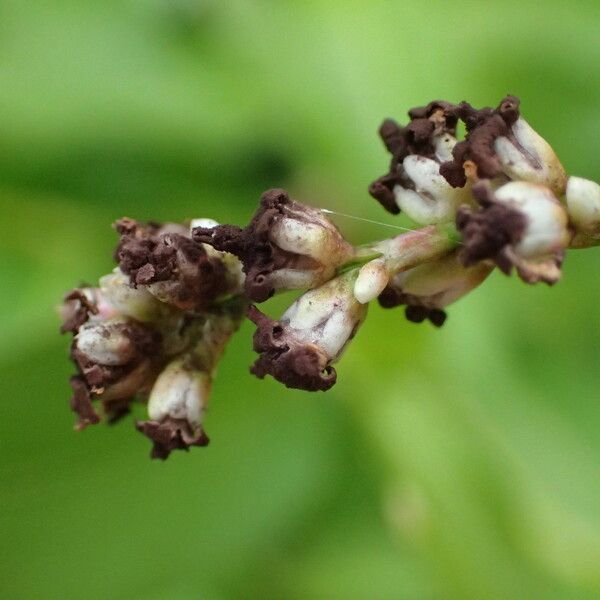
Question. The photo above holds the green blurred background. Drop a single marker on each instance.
(453, 464)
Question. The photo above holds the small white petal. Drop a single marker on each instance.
(371, 281)
(336, 334)
(311, 309)
(433, 200)
(206, 223)
(105, 343)
(137, 303)
(443, 146)
(179, 393)
(546, 217)
(296, 279)
(583, 203)
(441, 282)
(531, 159)
(299, 237)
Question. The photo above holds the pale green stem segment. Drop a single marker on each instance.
(415, 247)
(407, 249)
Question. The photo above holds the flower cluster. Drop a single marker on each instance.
(155, 328)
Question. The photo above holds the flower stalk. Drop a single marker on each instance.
(155, 328)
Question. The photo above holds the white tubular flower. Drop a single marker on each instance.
(433, 199)
(527, 156)
(176, 408)
(583, 206)
(115, 359)
(431, 286)
(299, 349)
(286, 246)
(181, 392)
(522, 225)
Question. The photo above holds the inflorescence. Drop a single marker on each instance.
(155, 328)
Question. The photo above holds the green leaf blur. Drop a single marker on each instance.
(455, 464)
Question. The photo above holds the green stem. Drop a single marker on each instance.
(415, 247)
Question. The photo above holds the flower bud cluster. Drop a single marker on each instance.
(503, 187)
(155, 328)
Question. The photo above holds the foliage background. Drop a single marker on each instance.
(451, 464)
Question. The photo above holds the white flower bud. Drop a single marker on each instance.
(526, 156)
(546, 229)
(439, 283)
(106, 342)
(137, 303)
(520, 224)
(180, 392)
(371, 281)
(299, 349)
(583, 205)
(433, 200)
(326, 316)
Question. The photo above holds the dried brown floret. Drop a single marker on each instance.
(286, 245)
(114, 385)
(294, 363)
(489, 232)
(152, 254)
(251, 244)
(171, 434)
(415, 138)
(484, 126)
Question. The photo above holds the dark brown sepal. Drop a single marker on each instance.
(416, 313)
(294, 363)
(81, 403)
(487, 233)
(77, 310)
(171, 434)
(151, 254)
(483, 126)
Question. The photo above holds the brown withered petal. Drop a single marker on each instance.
(414, 312)
(487, 233)
(294, 363)
(415, 138)
(259, 256)
(171, 434)
(150, 254)
(81, 403)
(77, 310)
(483, 126)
